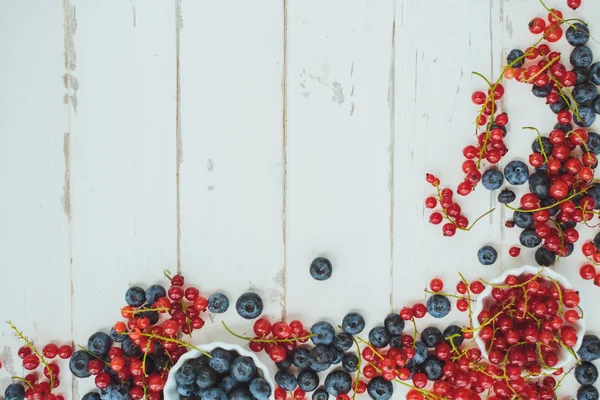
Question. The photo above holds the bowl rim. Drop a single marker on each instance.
(579, 326)
(170, 389)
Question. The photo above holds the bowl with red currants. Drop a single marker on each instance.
(529, 320)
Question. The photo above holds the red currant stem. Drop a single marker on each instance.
(25, 381)
(416, 332)
(553, 205)
(358, 365)
(562, 233)
(534, 277)
(538, 347)
(92, 354)
(468, 297)
(444, 294)
(583, 142)
(571, 104)
(179, 342)
(370, 346)
(454, 348)
(492, 319)
(581, 310)
(564, 376)
(551, 11)
(134, 312)
(570, 350)
(478, 219)
(427, 393)
(144, 358)
(187, 320)
(168, 274)
(560, 297)
(591, 260)
(484, 78)
(32, 347)
(249, 339)
(548, 65)
(539, 138)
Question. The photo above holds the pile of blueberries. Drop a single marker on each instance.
(586, 373)
(225, 375)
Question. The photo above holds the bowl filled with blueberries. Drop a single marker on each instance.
(221, 371)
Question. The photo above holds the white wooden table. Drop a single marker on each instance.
(235, 141)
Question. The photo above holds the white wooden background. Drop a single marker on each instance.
(234, 141)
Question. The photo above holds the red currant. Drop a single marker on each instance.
(514, 251)
(587, 272)
(436, 285)
(537, 25)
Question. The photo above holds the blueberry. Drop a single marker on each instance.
(529, 239)
(135, 296)
(523, 219)
(544, 257)
(186, 375)
(116, 336)
(585, 93)
(396, 341)
(420, 353)
(590, 348)
(320, 394)
(514, 55)
(432, 367)
(285, 364)
(394, 324)
(319, 358)
(300, 357)
(216, 394)
(323, 333)
(116, 392)
(321, 269)
(380, 389)
(308, 380)
(506, 196)
(218, 303)
(379, 337)
(228, 383)
(353, 323)
(129, 348)
(249, 305)
(286, 380)
(99, 344)
(563, 127)
(581, 56)
(594, 193)
(14, 391)
(541, 91)
(492, 179)
(155, 292)
(539, 184)
(587, 393)
(342, 341)
(199, 362)
(186, 390)
(350, 362)
(487, 255)
(78, 364)
(151, 315)
(338, 382)
(438, 306)
(597, 240)
(586, 373)
(516, 172)
(595, 73)
(582, 74)
(560, 105)
(578, 34)
(431, 336)
(243, 369)
(87, 396)
(536, 147)
(206, 378)
(241, 394)
(220, 360)
(453, 334)
(586, 116)
(596, 105)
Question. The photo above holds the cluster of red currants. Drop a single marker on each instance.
(592, 253)
(277, 339)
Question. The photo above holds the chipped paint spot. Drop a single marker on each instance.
(352, 69)
(352, 91)
(352, 109)
(338, 93)
(66, 197)
(306, 95)
(302, 85)
(320, 74)
(211, 188)
(70, 26)
(7, 360)
(509, 27)
(210, 165)
(134, 13)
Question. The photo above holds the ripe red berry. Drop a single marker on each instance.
(476, 287)
(23, 352)
(191, 293)
(537, 25)
(555, 16)
(277, 353)
(155, 382)
(50, 350)
(406, 313)
(597, 280)
(436, 218)
(177, 280)
(514, 251)
(478, 97)
(436, 285)
(419, 310)
(553, 33)
(102, 380)
(65, 351)
(430, 202)
(449, 229)
(31, 362)
(574, 4)
(462, 304)
(501, 119)
(587, 272)
(175, 293)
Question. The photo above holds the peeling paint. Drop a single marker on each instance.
(66, 197)
(352, 69)
(7, 360)
(352, 109)
(211, 188)
(509, 27)
(338, 93)
(178, 139)
(210, 165)
(69, 81)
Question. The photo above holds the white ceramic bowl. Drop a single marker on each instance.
(485, 299)
(170, 390)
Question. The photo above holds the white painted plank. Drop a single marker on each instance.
(232, 154)
(340, 99)
(123, 152)
(34, 256)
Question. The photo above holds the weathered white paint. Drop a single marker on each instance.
(236, 142)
